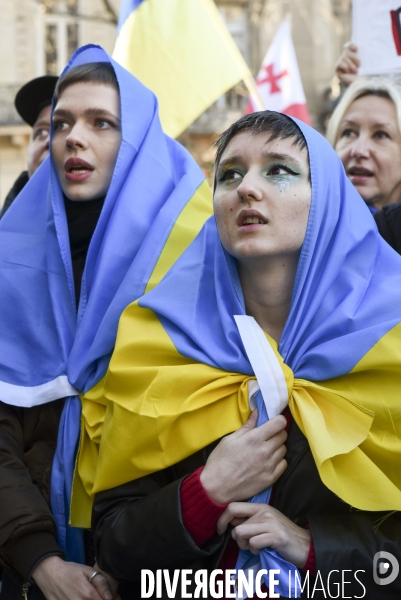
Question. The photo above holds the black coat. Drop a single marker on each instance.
(139, 526)
(388, 221)
(28, 439)
(19, 184)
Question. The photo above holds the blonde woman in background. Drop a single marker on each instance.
(365, 131)
(355, 130)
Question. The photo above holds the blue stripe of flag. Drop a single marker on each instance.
(126, 8)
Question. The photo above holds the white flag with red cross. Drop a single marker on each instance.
(279, 82)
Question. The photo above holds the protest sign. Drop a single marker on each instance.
(376, 30)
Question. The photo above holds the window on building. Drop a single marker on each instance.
(56, 6)
(51, 49)
(72, 38)
(62, 33)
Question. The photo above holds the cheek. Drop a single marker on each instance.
(56, 153)
(222, 212)
(109, 159)
(35, 153)
(41, 148)
(296, 219)
(31, 150)
(390, 163)
(342, 150)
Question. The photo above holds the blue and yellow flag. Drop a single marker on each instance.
(178, 377)
(156, 204)
(181, 50)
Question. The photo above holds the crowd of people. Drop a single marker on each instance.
(167, 357)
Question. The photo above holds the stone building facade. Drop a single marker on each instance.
(38, 36)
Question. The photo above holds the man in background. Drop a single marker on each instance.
(33, 104)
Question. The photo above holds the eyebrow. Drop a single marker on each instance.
(96, 112)
(284, 157)
(268, 155)
(350, 122)
(41, 123)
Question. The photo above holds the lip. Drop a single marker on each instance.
(246, 213)
(359, 175)
(77, 163)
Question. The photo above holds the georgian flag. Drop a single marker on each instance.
(279, 82)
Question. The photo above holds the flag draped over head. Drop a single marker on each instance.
(178, 377)
(279, 82)
(182, 51)
(156, 204)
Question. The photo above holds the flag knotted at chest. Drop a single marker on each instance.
(156, 204)
(178, 377)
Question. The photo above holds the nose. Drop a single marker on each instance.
(250, 189)
(76, 137)
(360, 147)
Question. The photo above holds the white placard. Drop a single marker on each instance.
(376, 30)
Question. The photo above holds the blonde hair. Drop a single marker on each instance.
(384, 87)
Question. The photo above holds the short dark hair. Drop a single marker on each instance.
(279, 126)
(99, 72)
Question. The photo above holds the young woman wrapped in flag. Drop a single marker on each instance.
(287, 295)
(100, 222)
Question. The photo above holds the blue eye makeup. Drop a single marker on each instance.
(276, 173)
(228, 175)
(281, 170)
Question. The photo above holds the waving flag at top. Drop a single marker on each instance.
(279, 82)
(183, 52)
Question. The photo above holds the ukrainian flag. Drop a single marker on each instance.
(157, 202)
(178, 378)
(183, 52)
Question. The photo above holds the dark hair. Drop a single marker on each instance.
(99, 72)
(278, 125)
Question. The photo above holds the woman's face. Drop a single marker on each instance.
(262, 198)
(369, 145)
(86, 139)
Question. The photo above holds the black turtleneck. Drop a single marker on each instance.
(82, 218)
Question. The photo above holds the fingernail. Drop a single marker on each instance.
(108, 596)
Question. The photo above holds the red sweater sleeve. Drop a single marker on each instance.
(310, 564)
(199, 513)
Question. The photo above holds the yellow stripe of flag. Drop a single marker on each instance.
(183, 52)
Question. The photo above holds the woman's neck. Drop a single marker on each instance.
(267, 289)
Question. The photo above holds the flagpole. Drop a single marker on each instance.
(253, 91)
